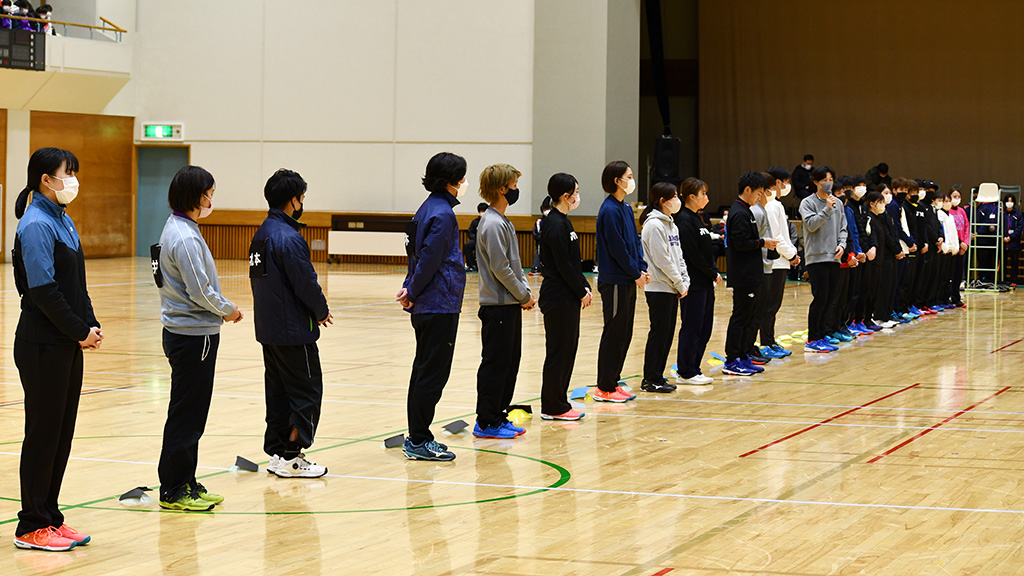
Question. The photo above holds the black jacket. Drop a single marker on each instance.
(803, 186)
(698, 250)
(287, 299)
(560, 259)
(873, 178)
(882, 237)
(743, 246)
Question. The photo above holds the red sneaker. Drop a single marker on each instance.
(48, 539)
(616, 396)
(570, 415)
(72, 534)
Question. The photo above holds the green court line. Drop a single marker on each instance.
(562, 480)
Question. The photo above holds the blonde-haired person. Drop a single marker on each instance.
(504, 294)
(669, 281)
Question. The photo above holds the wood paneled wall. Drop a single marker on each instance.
(3, 179)
(104, 147)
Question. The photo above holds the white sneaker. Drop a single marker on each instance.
(299, 467)
(888, 324)
(275, 462)
(698, 380)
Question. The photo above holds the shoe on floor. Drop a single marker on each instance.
(48, 539)
(299, 467)
(429, 450)
(209, 497)
(72, 534)
(818, 346)
(187, 500)
(658, 387)
(628, 395)
(758, 360)
(570, 415)
(614, 396)
(736, 368)
(518, 430)
(493, 432)
(695, 380)
(749, 365)
(275, 461)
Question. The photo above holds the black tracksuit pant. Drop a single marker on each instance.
(435, 348)
(1012, 258)
(697, 315)
(561, 340)
(854, 294)
(908, 276)
(294, 385)
(760, 309)
(959, 263)
(824, 277)
(661, 307)
(837, 304)
(775, 289)
(738, 336)
(618, 302)
(51, 377)
(192, 360)
(885, 302)
(502, 344)
(870, 282)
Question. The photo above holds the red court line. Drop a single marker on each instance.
(933, 427)
(663, 572)
(1007, 346)
(826, 421)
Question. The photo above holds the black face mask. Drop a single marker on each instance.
(298, 213)
(512, 196)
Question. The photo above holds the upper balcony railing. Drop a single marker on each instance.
(108, 26)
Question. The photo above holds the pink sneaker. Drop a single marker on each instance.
(570, 415)
(628, 395)
(44, 539)
(616, 396)
(72, 534)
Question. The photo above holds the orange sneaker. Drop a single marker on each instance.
(72, 534)
(616, 396)
(44, 539)
(628, 395)
(570, 415)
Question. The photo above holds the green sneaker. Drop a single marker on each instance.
(188, 500)
(208, 496)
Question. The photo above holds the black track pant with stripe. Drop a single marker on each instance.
(294, 387)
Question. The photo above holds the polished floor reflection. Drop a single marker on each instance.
(900, 454)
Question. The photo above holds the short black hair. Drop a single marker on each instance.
(843, 181)
(779, 173)
(883, 168)
(858, 179)
(808, 157)
(752, 179)
(611, 172)
(444, 168)
(872, 197)
(482, 206)
(821, 172)
(282, 187)
(560, 184)
(187, 187)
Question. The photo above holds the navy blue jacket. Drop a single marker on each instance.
(1013, 228)
(620, 255)
(49, 272)
(436, 279)
(287, 300)
(893, 209)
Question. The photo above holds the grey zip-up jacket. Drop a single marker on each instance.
(824, 229)
(190, 299)
(502, 281)
(664, 255)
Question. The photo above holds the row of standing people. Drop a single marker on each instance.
(57, 324)
(23, 9)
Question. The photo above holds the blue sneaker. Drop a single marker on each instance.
(913, 310)
(510, 426)
(864, 328)
(493, 432)
(736, 368)
(846, 332)
(819, 346)
(780, 350)
(430, 450)
(831, 339)
(855, 329)
(769, 352)
(907, 316)
(749, 365)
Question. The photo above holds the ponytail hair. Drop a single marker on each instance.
(43, 161)
(660, 193)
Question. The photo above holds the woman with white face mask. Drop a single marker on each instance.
(963, 231)
(669, 281)
(56, 324)
(192, 311)
(1014, 227)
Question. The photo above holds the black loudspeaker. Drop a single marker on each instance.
(666, 159)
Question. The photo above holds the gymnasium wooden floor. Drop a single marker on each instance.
(901, 454)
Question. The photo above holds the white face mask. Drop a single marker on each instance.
(461, 191)
(888, 197)
(673, 205)
(1009, 205)
(878, 208)
(808, 166)
(574, 204)
(859, 191)
(786, 189)
(205, 211)
(769, 194)
(67, 194)
(921, 195)
(724, 218)
(630, 186)
(956, 201)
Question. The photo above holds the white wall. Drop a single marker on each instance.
(357, 102)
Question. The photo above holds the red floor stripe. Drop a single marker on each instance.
(663, 572)
(1007, 346)
(826, 421)
(929, 429)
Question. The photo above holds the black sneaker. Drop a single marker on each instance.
(660, 387)
(758, 359)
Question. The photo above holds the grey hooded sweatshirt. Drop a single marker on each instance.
(664, 255)
(190, 299)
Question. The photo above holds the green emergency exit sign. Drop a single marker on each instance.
(162, 131)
